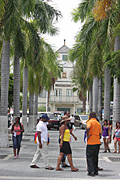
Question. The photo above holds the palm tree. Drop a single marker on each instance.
(16, 86)
(31, 118)
(116, 107)
(89, 51)
(24, 101)
(12, 11)
(107, 94)
(5, 63)
(114, 17)
(99, 114)
(104, 30)
(90, 98)
(95, 94)
(19, 51)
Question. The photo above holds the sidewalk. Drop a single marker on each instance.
(19, 168)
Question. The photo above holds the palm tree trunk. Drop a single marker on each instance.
(90, 99)
(84, 105)
(5, 65)
(99, 114)
(16, 86)
(107, 94)
(95, 94)
(116, 105)
(24, 102)
(35, 109)
(31, 116)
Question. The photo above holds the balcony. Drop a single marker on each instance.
(64, 99)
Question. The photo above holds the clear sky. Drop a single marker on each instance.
(67, 28)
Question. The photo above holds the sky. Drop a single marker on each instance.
(67, 28)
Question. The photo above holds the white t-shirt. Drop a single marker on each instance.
(42, 127)
(72, 119)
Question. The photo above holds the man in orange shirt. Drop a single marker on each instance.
(93, 144)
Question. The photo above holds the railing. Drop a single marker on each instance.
(64, 99)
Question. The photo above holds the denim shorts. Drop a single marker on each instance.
(17, 141)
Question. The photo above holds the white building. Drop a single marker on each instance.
(62, 98)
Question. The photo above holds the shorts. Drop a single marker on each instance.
(106, 137)
(66, 149)
(17, 141)
(118, 139)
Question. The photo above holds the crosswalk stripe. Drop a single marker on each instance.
(29, 157)
(106, 159)
(46, 178)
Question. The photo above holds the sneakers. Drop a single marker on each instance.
(15, 157)
(91, 174)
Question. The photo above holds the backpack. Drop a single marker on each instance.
(35, 139)
(48, 140)
(85, 136)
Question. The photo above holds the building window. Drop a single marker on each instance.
(69, 92)
(58, 92)
(64, 57)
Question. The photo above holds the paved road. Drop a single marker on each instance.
(19, 168)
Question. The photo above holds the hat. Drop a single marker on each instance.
(45, 116)
(65, 118)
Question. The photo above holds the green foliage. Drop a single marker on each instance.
(27, 42)
(41, 109)
(113, 62)
(44, 14)
(2, 8)
(83, 10)
(117, 30)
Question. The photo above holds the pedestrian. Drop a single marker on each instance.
(64, 165)
(42, 139)
(17, 130)
(106, 135)
(116, 137)
(93, 144)
(72, 121)
(65, 145)
(85, 140)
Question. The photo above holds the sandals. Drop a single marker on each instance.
(100, 169)
(74, 170)
(115, 152)
(49, 168)
(34, 166)
(59, 169)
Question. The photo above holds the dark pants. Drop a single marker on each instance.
(92, 152)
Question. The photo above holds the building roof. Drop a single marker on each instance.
(63, 49)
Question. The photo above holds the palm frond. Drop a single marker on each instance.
(84, 8)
